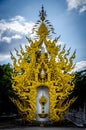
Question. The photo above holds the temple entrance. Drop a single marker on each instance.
(42, 104)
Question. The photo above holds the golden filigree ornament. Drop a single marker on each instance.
(38, 67)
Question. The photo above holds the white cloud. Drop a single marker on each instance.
(15, 28)
(9, 39)
(80, 66)
(82, 9)
(60, 43)
(4, 57)
(80, 5)
(6, 39)
(18, 18)
(16, 37)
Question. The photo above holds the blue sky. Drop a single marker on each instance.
(17, 17)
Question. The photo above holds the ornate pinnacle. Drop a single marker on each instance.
(42, 14)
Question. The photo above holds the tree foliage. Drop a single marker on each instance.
(5, 88)
(80, 88)
(5, 79)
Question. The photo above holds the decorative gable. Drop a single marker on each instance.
(37, 68)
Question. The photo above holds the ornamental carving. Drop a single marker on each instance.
(44, 64)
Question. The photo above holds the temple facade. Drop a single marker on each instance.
(41, 78)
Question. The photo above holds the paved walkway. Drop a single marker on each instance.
(43, 128)
(17, 125)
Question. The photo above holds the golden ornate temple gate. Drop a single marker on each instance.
(41, 80)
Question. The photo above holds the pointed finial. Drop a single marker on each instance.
(42, 14)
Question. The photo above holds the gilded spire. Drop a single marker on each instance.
(42, 14)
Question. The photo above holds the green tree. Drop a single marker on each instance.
(80, 88)
(6, 106)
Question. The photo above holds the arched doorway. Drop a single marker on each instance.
(42, 104)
